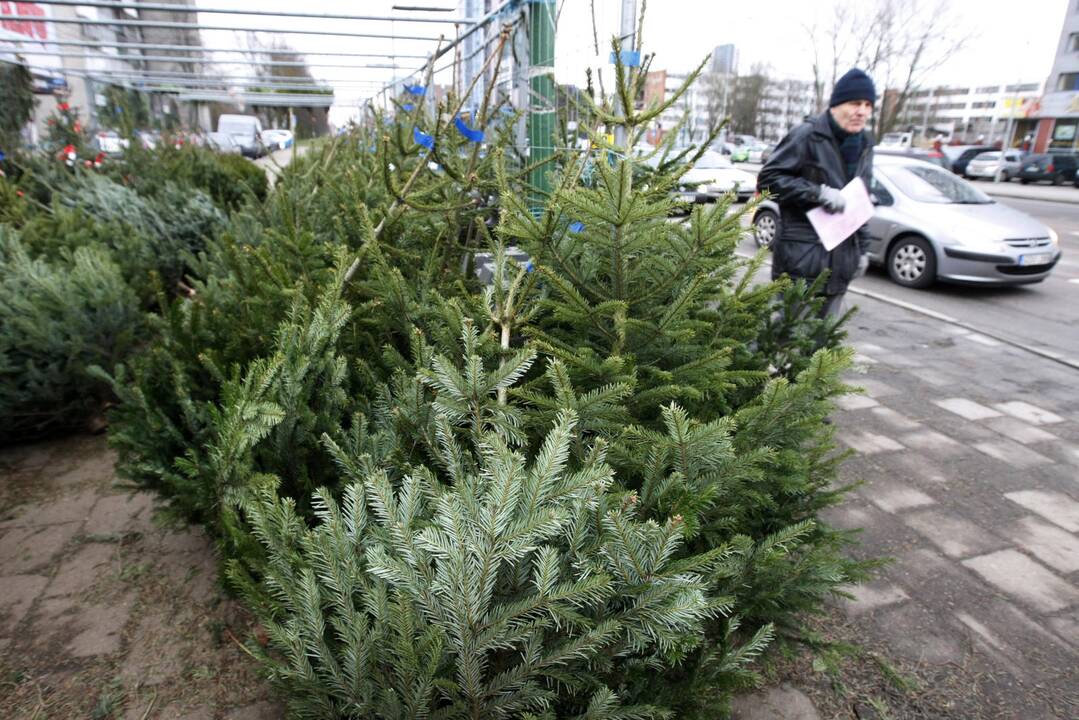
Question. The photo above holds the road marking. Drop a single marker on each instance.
(955, 322)
(1074, 281)
(1074, 232)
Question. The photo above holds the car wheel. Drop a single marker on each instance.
(1024, 181)
(765, 226)
(1058, 179)
(912, 263)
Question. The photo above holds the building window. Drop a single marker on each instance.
(1068, 81)
(1064, 134)
(1073, 42)
(981, 105)
(989, 89)
(1029, 87)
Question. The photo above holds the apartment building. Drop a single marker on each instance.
(993, 113)
(74, 62)
(1057, 113)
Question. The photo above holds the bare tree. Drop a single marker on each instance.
(260, 57)
(746, 99)
(716, 89)
(898, 42)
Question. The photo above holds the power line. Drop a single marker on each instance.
(200, 26)
(201, 61)
(199, 48)
(166, 7)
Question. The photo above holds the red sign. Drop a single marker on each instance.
(36, 29)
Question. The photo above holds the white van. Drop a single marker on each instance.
(898, 140)
(245, 131)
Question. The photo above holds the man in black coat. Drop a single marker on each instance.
(807, 170)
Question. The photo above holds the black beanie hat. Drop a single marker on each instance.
(855, 85)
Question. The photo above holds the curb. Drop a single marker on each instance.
(1064, 360)
(1036, 198)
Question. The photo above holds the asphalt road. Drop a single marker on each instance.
(1043, 316)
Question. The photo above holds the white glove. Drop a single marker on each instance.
(831, 199)
(863, 265)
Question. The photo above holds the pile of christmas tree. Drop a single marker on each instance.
(587, 485)
(88, 244)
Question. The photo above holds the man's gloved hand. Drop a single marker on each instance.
(831, 199)
(863, 265)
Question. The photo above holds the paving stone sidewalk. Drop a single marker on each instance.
(969, 451)
(103, 611)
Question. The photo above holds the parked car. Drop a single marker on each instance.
(740, 153)
(969, 152)
(275, 139)
(223, 143)
(930, 156)
(759, 153)
(930, 225)
(149, 139)
(996, 164)
(1077, 178)
(1048, 167)
(713, 176)
(898, 140)
(246, 130)
(110, 142)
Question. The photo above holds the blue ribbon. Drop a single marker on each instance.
(2, 156)
(423, 138)
(416, 89)
(408, 107)
(576, 226)
(470, 134)
(630, 58)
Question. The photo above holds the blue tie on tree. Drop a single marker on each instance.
(416, 89)
(423, 138)
(469, 134)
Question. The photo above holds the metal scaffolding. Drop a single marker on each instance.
(200, 48)
(134, 74)
(191, 10)
(195, 27)
(208, 61)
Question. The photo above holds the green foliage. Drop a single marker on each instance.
(126, 110)
(230, 180)
(58, 318)
(514, 590)
(64, 129)
(16, 87)
(590, 490)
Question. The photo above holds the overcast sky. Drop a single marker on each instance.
(1009, 42)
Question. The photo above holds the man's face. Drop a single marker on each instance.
(853, 115)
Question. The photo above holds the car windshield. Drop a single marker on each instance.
(927, 183)
(236, 128)
(711, 160)
(988, 156)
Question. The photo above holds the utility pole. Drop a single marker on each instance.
(628, 38)
(541, 105)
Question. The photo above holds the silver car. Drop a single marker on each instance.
(1003, 164)
(931, 225)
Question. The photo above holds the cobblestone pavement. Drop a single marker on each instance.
(969, 453)
(104, 611)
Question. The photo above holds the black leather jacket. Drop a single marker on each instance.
(805, 159)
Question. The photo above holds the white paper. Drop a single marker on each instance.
(834, 228)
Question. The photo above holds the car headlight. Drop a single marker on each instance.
(1054, 238)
